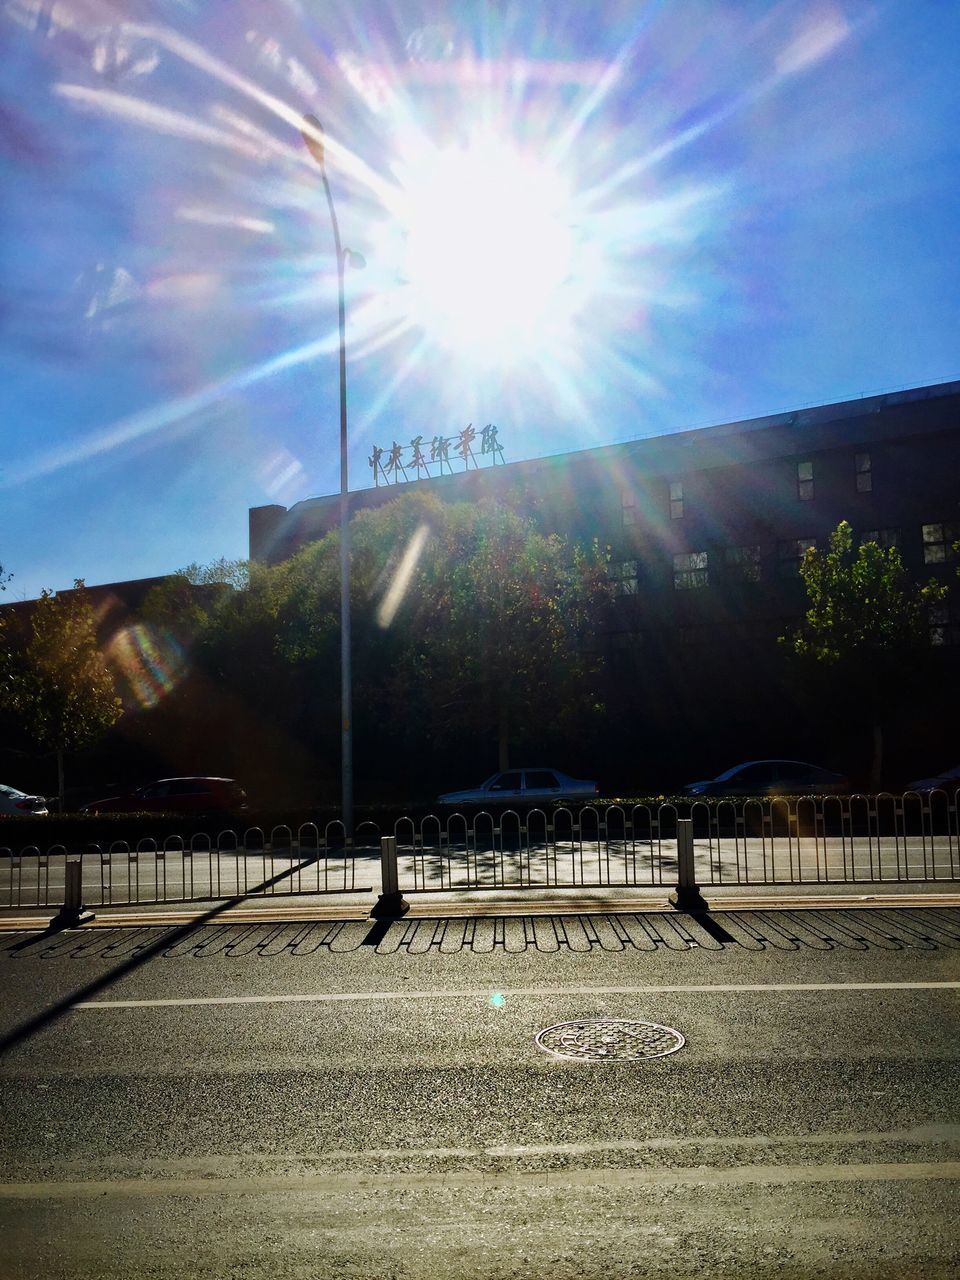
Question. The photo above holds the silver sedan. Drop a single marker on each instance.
(524, 786)
(20, 804)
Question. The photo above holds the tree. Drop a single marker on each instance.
(256, 685)
(482, 623)
(469, 626)
(54, 678)
(866, 630)
(222, 572)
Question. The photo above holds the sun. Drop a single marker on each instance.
(487, 249)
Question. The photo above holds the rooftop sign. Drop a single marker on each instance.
(430, 458)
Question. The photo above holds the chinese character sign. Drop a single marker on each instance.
(433, 457)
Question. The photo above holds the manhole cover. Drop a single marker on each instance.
(609, 1040)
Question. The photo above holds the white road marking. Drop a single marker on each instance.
(344, 1184)
(485, 993)
(229, 1165)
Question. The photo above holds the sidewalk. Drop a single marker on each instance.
(502, 902)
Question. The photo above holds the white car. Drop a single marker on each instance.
(19, 804)
(524, 786)
(948, 781)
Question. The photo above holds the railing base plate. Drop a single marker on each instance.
(688, 899)
(72, 918)
(389, 906)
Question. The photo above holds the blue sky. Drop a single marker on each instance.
(705, 211)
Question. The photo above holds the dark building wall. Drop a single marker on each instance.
(115, 605)
(744, 495)
(693, 663)
(739, 482)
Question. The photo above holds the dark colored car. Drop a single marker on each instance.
(176, 795)
(771, 778)
(948, 781)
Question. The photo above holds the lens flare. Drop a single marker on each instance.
(282, 476)
(150, 662)
(401, 579)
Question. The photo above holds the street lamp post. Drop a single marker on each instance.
(312, 132)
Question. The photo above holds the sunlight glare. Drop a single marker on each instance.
(488, 248)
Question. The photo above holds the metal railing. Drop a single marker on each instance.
(810, 840)
(231, 865)
(806, 840)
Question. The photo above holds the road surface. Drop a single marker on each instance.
(368, 1100)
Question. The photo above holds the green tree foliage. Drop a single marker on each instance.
(222, 572)
(257, 695)
(467, 623)
(865, 633)
(54, 678)
(493, 621)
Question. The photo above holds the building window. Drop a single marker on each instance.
(628, 508)
(882, 537)
(623, 575)
(805, 481)
(743, 563)
(789, 555)
(943, 625)
(938, 540)
(676, 500)
(690, 570)
(864, 473)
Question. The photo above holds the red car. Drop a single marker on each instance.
(176, 795)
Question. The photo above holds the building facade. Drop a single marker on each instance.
(706, 528)
(705, 531)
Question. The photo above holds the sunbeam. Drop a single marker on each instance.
(153, 421)
(400, 582)
(162, 119)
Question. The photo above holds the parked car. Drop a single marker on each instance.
(20, 804)
(176, 795)
(948, 781)
(523, 786)
(769, 778)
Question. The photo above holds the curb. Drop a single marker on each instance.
(433, 910)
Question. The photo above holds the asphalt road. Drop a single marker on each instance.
(357, 1100)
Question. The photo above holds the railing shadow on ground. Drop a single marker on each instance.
(927, 929)
(128, 965)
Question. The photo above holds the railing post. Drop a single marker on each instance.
(686, 896)
(391, 904)
(73, 912)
